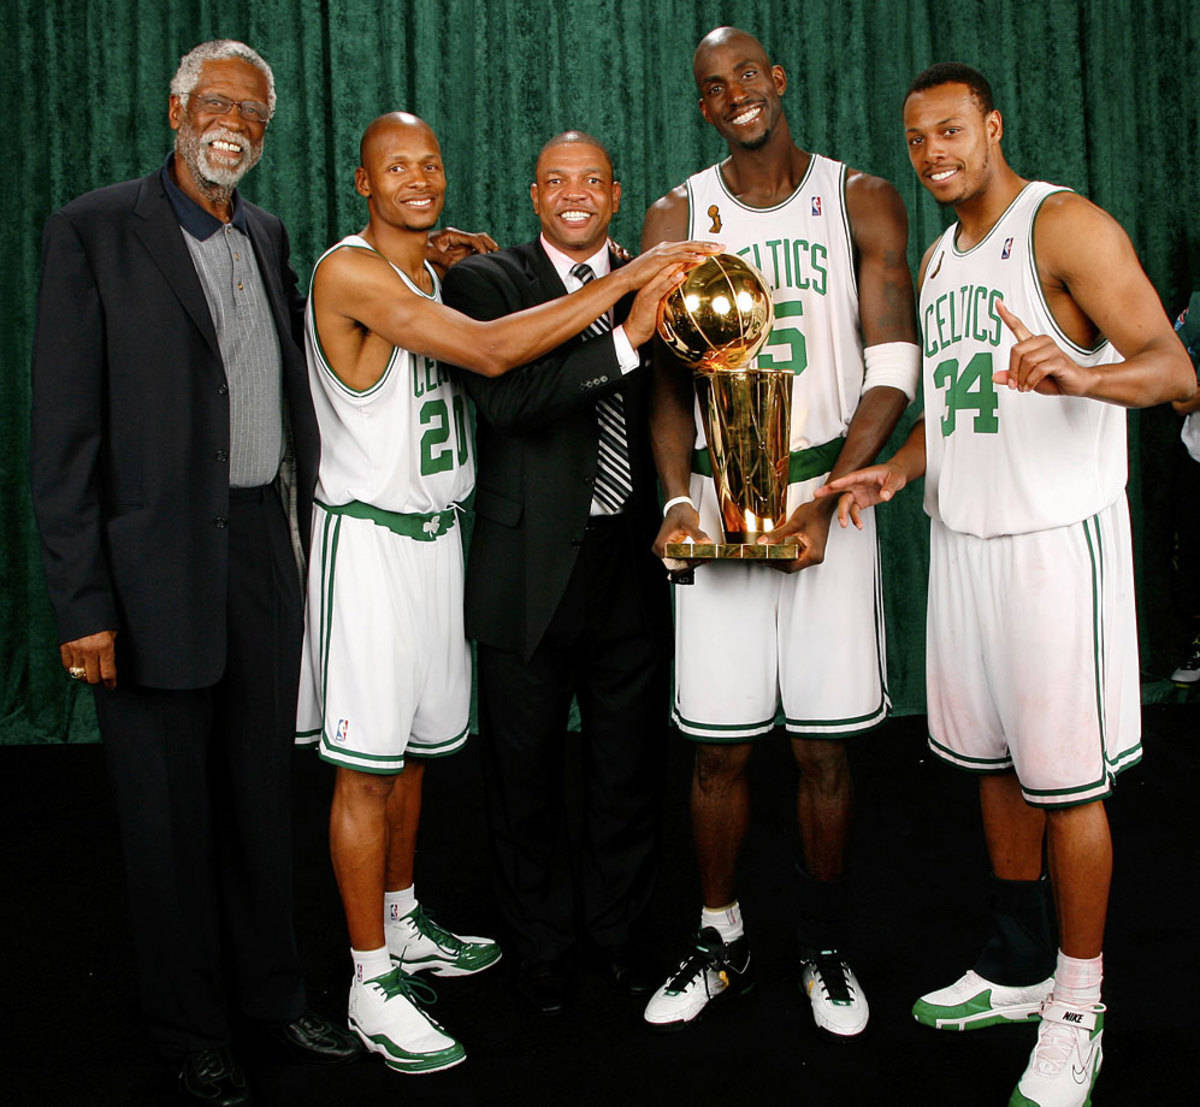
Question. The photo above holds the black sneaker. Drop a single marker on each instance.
(1189, 671)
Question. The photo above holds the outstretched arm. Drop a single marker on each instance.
(357, 288)
(879, 225)
(863, 488)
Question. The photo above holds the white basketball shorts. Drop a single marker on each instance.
(749, 639)
(386, 667)
(1032, 655)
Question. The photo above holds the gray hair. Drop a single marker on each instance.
(221, 49)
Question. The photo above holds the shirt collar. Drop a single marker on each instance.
(563, 264)
(192, 217)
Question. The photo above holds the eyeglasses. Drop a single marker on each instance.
(251, 110)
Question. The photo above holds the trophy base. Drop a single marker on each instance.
(733, 551)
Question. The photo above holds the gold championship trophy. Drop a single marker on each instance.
(716, 321)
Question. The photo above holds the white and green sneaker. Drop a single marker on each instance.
(1066, 1059)
(838, 1004)
(971, 1003)
(385, 1014)
(417, 944)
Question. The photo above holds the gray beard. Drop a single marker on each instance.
(216, 182)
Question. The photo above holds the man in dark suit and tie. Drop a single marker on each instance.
(564, 596)
(170, 398)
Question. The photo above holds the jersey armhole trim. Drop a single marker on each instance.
(1059, 334)
(324, 361)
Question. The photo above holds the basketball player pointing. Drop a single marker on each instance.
(1033, 307)
(831, 242)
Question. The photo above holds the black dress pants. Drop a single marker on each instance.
(604, 647)
(202, 779)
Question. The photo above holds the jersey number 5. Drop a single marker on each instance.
(789, 335)
(970, 390)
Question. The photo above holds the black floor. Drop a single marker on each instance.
(70, 1029)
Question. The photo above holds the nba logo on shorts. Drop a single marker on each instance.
(343, 729)
(1007, 249)
(816, 205)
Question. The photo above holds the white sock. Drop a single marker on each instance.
(370, 963)
(726, 921)
(398, 904)
(1077, 980)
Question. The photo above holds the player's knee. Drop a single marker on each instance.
(717, 767)
(821, 760)
(357, 788)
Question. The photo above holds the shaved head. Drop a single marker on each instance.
(388, 125)
(572, 138)
(726, 36)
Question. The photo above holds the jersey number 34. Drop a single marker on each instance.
(970, 390)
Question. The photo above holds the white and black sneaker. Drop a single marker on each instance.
(713, 970)
(838, 1004)
(1066, 1060)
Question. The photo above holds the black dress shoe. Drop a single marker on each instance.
(212, 1076)
(543, 985)
(314, 1039)
(631, 969)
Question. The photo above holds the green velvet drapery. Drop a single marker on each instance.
(1100, 95)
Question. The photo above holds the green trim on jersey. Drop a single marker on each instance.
(427, 527)
(812, 160)
(843, 174)
(953, 231)
(847, 728)
(1083, 351)
(802, 464)
(321, 356)
(719, 732)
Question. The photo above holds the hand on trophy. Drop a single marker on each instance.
(808, 527)
(681, 524)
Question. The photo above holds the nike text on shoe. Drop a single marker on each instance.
(417, 944)
(971, 1003)
(1066, 1060)
(838, 1004)
(384, 1013)
(711, 971)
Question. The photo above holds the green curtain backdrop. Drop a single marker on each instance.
(1100, 95)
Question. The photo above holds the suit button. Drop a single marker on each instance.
(577, 541)
(223, 390)
(221, 455)
(589, 480)
(220, 522)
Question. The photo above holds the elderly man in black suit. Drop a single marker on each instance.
(564, 596)
(170, 398)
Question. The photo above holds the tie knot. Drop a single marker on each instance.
(582, 272)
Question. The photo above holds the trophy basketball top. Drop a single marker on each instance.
(719, 317)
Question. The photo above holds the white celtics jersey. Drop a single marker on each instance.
(403, 444)
(802, 246)
(1000, 461)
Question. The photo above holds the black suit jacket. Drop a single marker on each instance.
(537, 442)
(130, 443)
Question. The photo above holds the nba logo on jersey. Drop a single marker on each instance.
(816, 205)
(343, 729)
(1007, 249)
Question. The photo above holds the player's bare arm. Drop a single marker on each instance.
(863, 488)
(672, 424)
(1096, 288)
(879, 229)
(364, 309)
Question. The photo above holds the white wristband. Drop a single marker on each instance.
(893, 365)
(677, 500)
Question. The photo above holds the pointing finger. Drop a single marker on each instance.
(1020, 331)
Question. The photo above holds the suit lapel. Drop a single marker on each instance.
(160, 233)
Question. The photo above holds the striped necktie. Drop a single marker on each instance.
(614, 479)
